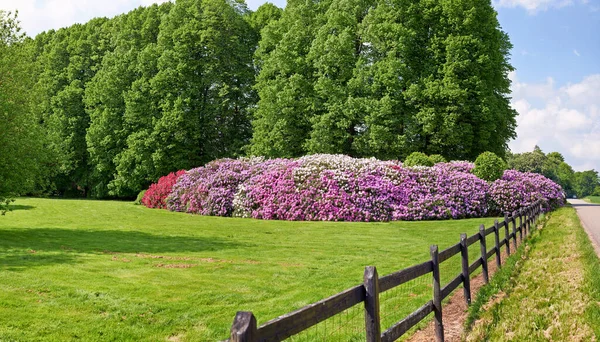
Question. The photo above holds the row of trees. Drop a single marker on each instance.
(127, 100)
(117, 103)
(553, 166)
(384, 79)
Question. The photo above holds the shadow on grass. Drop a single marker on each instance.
(16, 207)
(20, 247)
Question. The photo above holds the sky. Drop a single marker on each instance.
(556, 55)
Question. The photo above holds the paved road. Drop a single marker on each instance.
(590, 216)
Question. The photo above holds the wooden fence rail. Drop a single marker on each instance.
(245, 327)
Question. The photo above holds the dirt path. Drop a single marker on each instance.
(589, 214)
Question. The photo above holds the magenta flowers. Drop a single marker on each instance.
(341, 188)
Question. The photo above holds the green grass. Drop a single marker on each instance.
(593, 199)
(554, 290)
(100, 270)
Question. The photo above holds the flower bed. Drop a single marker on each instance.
(341, 188)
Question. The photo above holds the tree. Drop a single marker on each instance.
(284, 84)
(104, 97)
(68, 62)
(528, 161)
(21, 137)
(586, 182)
(191, 103)
(371, 78)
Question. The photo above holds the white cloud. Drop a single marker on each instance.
(565, 119)
(576, 53)
(534, 6)
(42, 15)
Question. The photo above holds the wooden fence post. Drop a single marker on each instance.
(437, 294)
(526, 221)
(514, 230)
(464, 254)
(497, 235)
(372, 314)
(520, 228)
(244, 328)
(507, 233)
(484, 263)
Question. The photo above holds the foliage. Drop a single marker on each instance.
(21, 137)
(209, 190)
(489, 167)
(140, 196)
(418, 159)
(156, 195)
(516, 190)
(325, 187)
(586, 182)
(383, 79)
(161, 88)
(437, 158)
(528, 161)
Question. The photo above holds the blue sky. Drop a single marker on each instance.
(556, 85)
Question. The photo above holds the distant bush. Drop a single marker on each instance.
(140, 196)
(156, 195)
(418, 159)
(516, 190)
(489, 167)
(437, 158)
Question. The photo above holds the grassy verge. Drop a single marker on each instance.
(99, 270)
(593, 199)
(551, 286)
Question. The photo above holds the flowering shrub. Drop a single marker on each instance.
(209, 190)
(156, 195)
(520, 189)
(341, 188)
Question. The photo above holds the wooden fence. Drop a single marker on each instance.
(245, 328)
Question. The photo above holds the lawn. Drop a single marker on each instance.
(101, 270)
(554, 293)
(593, 199)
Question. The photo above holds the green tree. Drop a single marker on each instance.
(384, 79)
(585, 182)
(105, 93)
(69, 61)
(528, 161)
(195, 93)
(21, 137)
(285, 84)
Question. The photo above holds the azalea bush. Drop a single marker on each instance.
(516, 190)
(156, 195)
(341, 188)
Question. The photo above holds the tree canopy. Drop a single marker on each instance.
(120, 102)
(384, 79)
(21, 136)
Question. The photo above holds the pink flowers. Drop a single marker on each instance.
(157, 194)
(341, 188)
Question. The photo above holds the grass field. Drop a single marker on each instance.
(593, 199)
(554, 293)
(99, 270)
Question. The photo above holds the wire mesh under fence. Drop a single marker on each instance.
(399, 302)
(349, 325)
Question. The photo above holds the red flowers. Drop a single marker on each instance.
(156, 195)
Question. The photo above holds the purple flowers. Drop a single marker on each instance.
(520, 189)
(341, 188)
